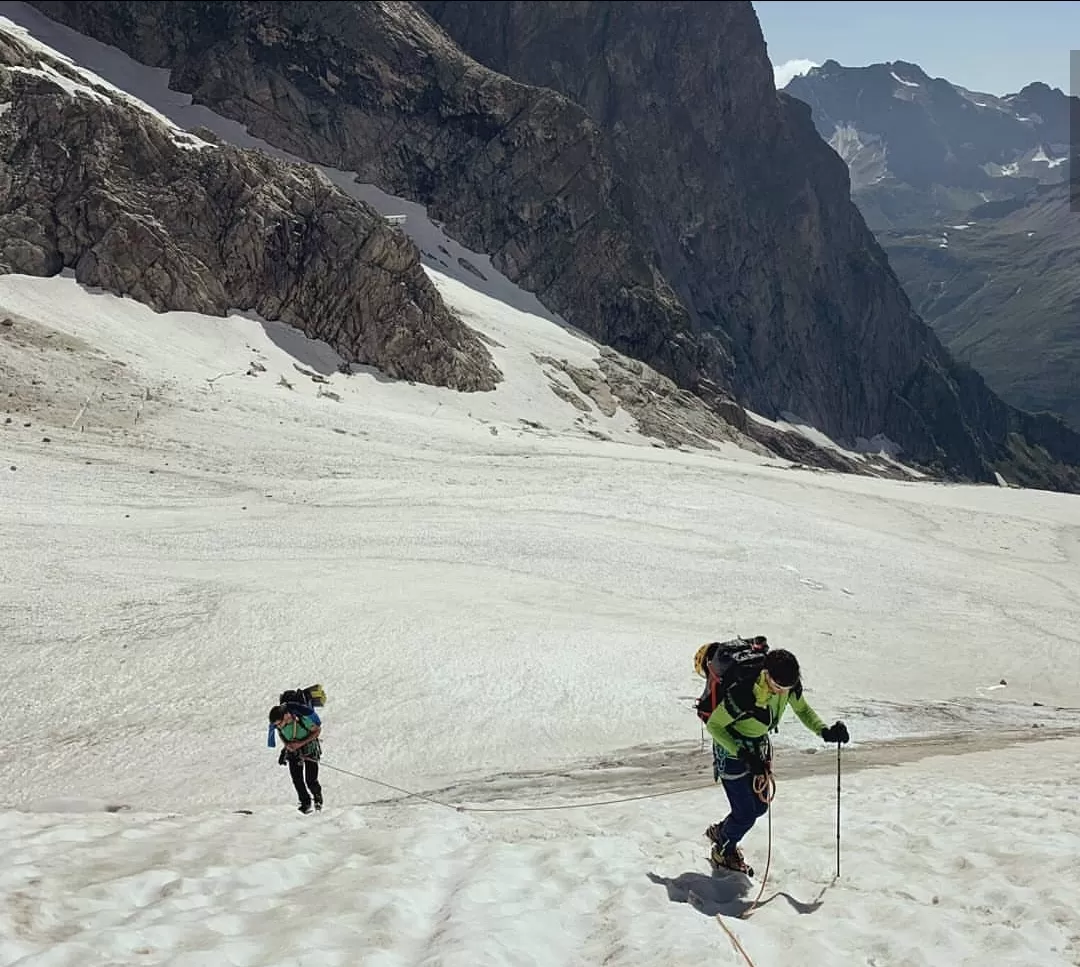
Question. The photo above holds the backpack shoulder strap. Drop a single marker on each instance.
(738, 697)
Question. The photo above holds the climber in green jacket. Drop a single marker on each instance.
(742, 753)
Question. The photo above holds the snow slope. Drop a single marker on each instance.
(923, 880)
(502, 598)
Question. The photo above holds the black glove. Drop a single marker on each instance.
(281, 758)
(836, 733)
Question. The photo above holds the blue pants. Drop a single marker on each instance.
(746, 806)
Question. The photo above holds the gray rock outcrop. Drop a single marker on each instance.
(93, 183)
(376, 88)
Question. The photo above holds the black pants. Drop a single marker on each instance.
(305, 771)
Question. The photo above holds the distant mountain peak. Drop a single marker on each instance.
(895, 125)
(1039, 89)
(833, 67)
(906, 67)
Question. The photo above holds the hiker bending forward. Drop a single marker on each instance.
(303, 749)
(742, 754)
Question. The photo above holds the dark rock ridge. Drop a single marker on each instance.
(91, 182)
(638, 173)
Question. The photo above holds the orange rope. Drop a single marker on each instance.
(765, 787)
(734, 940)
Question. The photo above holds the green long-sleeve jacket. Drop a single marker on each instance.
(763, 710)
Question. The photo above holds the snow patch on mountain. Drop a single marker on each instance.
(1041, 155)
(865, 154)
(88, 83)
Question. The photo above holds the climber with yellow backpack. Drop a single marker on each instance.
(295, 720)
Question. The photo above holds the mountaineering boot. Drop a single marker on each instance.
(318, 805)
(716, 832)
(729, 858)
(304, 807)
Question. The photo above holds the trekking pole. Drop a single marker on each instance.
(838, 810)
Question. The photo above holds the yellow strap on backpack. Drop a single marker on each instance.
(699, 660)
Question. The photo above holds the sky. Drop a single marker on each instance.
(991, 47)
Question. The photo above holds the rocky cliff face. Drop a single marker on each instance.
(746, 209)
(750, 215)
(91, 181)
(639, 173)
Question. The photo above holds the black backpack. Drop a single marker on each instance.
(722, 664)
(302, 701)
